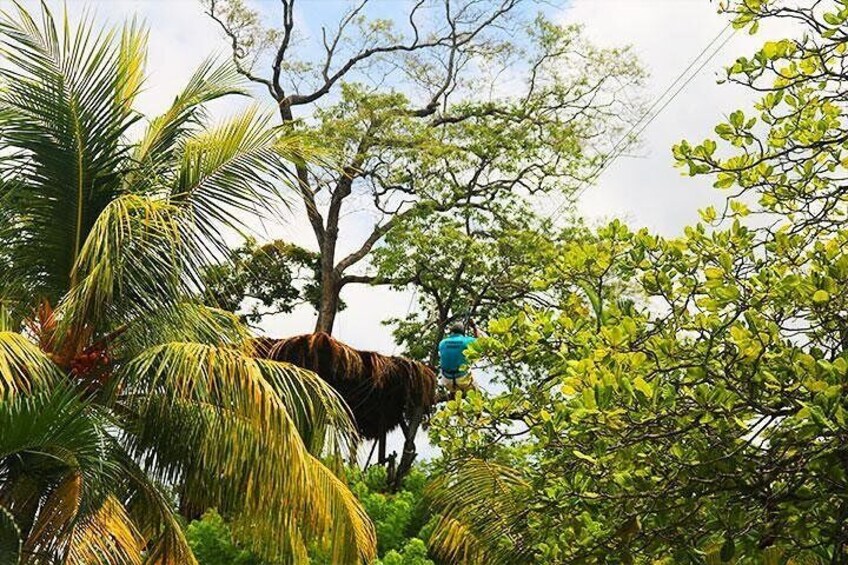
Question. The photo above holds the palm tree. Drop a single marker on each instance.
(482, 515)
(121, 395)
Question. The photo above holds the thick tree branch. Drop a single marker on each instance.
(288, 27)
(344, 183)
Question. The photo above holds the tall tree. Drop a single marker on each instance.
(476, 269)
(455, 103)
(684, 400)
(117, 386)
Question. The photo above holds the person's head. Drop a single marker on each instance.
(457, 329)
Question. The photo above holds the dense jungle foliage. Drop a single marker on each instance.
(653, 400)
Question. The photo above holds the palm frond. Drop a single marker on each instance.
(10, 538)
(108, 535)
(314, 406)
(74, 490)
(24, 368)
(334, 520)
(279, 397)
(131, 62)
(237, 168)
(351, 535)
(483, 512)
(66, 112)
(132, 263)
(185, 321)
(53, 464)
(67, 99)
(166, 134)
(243, 450)
(454, 543)
(56, 516)
(146, 252)
(55, 424)
(153, 515)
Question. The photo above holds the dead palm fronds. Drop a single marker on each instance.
(378, 388)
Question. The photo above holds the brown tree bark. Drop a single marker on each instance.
(330, 291)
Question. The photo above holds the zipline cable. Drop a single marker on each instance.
(615, 155)
(669, 88)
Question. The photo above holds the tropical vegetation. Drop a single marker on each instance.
(401, 519)
(682, 400)
(121, 394)
(654, 399)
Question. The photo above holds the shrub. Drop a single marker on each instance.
(212, 542)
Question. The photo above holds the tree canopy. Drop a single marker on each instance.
(682, 400)
(119, 389)
(442, 109)
(476, 268)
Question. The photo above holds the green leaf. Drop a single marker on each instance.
(775, 49)
(10, 538)
(708, 214)
(832, 19)
(713, 273)
(739, 208)
(819, 417)
(737, 119)
(580, 455)
(724, 181)
(821, 296)
(642, 386)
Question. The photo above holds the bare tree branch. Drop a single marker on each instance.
(237, 51)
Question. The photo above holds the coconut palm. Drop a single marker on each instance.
(482, 515)
(121, 395)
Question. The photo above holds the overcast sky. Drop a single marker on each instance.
(644, 189)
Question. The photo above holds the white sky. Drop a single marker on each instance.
(645, 190)
(667, 35)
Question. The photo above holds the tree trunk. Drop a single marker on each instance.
(330, 290)
(381, 450)
(407, 458)
(325, 236)
(440, 334)
(328, 309)
(331, 286)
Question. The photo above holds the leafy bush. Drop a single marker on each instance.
(414, 552)
(212, 542)
(397, 516)
(400, 519)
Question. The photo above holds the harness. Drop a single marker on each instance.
(452, 375)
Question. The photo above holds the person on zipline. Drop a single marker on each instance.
(452, 361)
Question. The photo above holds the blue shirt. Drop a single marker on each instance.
(452, 354)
